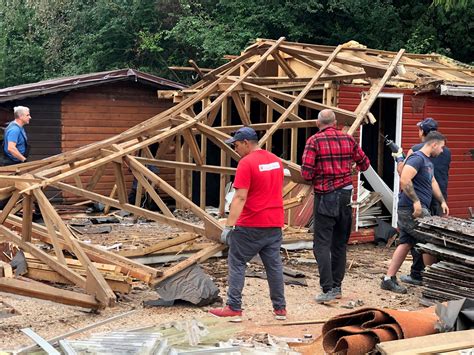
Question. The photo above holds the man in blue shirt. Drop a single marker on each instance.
(418, 185)
(441, 166)
(15, 142)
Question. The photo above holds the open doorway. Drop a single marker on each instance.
(387, 110)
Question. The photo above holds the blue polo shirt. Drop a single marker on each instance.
(17, 134)
(441, 165)
(421, 182)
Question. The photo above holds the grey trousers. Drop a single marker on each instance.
(244, 244)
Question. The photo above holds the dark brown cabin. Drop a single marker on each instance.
(71, 112)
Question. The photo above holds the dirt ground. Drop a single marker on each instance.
(366, 263)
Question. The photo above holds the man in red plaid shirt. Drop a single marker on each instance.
(327, 162)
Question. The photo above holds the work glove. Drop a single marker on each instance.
(398, 156)
(225, 235)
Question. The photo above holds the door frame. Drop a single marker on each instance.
(398, 141)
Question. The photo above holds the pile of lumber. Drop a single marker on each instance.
(118, 281)
(451, 240)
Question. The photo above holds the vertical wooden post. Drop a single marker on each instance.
(203, 175)
(224, 158)
(178, 171)
(247, 102)
(293, 155)
(268, 145)
(27, 217)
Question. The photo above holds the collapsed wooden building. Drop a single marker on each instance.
(276, 87)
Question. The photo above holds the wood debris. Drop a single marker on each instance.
(202, 116)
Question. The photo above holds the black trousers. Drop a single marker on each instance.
(332, 228)
(418, 266)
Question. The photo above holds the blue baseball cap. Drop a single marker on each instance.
(428, 125)
(244, 133)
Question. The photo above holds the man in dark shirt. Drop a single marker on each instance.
(327, 162)
(441, 165)
(418, 186)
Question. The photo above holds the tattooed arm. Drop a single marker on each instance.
(406, 184)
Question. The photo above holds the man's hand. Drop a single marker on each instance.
(417, 211)
(354, 169)
(445, 209)
(398, 156)
(225, 235)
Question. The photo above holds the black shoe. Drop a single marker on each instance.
(392, 285)
(410, 280)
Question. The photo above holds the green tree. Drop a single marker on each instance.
(20, 44)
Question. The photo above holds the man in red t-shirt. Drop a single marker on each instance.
(255, 222)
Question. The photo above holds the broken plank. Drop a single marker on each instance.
(137, 270)
(164, 244)
(196, 258)
(429, 344)
(41, 274)
(5, 269)
(45, 292)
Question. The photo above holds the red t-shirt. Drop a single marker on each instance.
(261, 173)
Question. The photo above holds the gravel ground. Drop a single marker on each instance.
(365, 264)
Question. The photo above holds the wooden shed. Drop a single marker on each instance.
(71, 112)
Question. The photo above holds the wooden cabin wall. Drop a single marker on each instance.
(455, 117)
(94, 114)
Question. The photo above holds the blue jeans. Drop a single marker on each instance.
(244, 244)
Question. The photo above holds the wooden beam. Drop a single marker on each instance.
(112, 195)
(131, 208)
(374, 91)
(300, 97)
(213, 229)
(268, 80)
(224, 159)
(218, 138)
(196, 68)
(164, 244)
(269, 102)
(239, 104)
(27, 216)
(153, 194)
(193, 146)
(9, 206)
(45, 292)
(95, 283)
(196, 258)
(284, 65)
(120, 183)
(187, 166)
(340, 113)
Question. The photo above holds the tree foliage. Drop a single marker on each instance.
(42, 39)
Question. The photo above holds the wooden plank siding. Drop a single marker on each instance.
(44, 130)
(456, 121)
(96, 113)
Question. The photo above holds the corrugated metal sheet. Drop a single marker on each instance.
(456, 120)
(78, 81)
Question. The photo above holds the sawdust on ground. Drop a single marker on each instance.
(365, 265)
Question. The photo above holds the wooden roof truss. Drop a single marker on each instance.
(236, 82)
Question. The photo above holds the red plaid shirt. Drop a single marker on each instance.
(328, 157)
